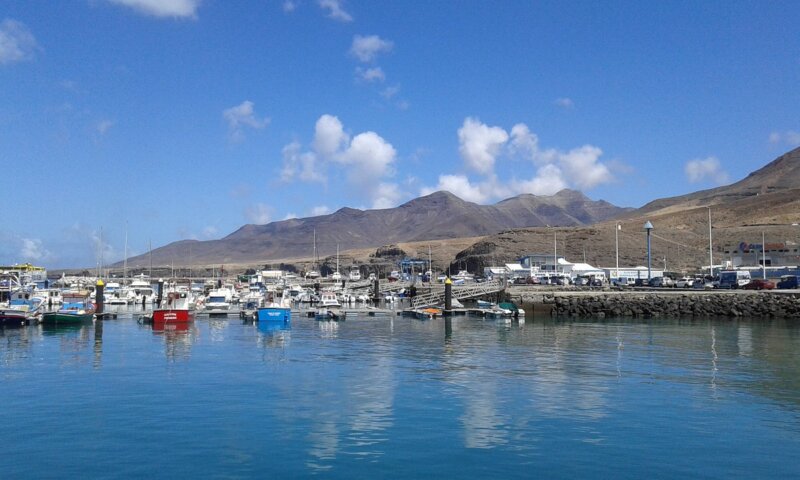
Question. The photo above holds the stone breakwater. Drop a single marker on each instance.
(651, 304)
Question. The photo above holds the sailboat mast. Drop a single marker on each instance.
(125, 265)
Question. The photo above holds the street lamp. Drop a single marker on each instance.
(710, 246)
(617, 228)
(648, 227)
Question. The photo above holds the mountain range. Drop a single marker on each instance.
(437, 216)
(466, 234)
(766, 202)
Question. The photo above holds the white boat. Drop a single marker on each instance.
(142, 291)
(394, 275)
(329, 300)
(49, 296)
(463, 275)
(217, 302)
(328, 307)
(355, 275)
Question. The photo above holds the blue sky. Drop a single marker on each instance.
(178, 119)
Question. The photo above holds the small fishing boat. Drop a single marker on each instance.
(274, 313)
(429, 313)
(328, 307)
(77, 308)
(177, 309)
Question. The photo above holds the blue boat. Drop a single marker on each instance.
(274, 314)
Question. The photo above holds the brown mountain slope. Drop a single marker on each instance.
(437, 216)
(767, 200)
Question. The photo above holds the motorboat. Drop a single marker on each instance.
(328, 307)
(77, 308)
(355, 275)
(176, 308)
(217, 302)
(22, 309)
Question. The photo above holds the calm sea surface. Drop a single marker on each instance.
(403, 398)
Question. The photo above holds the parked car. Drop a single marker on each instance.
(703, 283)
(759, 284)
(788, 281)
(662, 282)
(685, 282)
(641, 282)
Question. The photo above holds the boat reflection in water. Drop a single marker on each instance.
(274, 334)
(178, 338)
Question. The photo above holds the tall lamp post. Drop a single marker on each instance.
(648, 227)
(710, 247)
(617, 228)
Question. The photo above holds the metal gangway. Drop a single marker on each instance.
(460, 292)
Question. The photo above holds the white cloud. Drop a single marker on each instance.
(17, 43)
(32, 250)
(290, 216)
(583, 168)
(300, 165)
(549, 180)
(103, 126)
(289, 6)
(335, 10)
(390, 92)
(367, 48)
(259, 214)
(329, 135)
(788, 137)
(370, 75)
(479, 144)
(706, 168)
(367, 160)
(320, 210)
(103, 250)
(564, 102)
(162, 8)
(386, 195)
(210, 232)
(241, 116)
(460, 186)
(372, 156)
(524, 142)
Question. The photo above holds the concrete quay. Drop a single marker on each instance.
(658, 303)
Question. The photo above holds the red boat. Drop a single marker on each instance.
(177, 310)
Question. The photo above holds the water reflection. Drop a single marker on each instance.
(216, 327)
(178, 339)
(354, 392)
(274, 334)
(16, 344)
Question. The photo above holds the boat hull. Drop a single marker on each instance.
(53, 318)
(270, 314)
(10, 318)
(164, 317)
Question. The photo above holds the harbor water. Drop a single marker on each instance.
(402, 398)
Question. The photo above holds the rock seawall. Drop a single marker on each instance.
(730, 305)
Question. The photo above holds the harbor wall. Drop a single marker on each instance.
(652, 304)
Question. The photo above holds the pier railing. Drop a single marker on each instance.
(460, 292)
